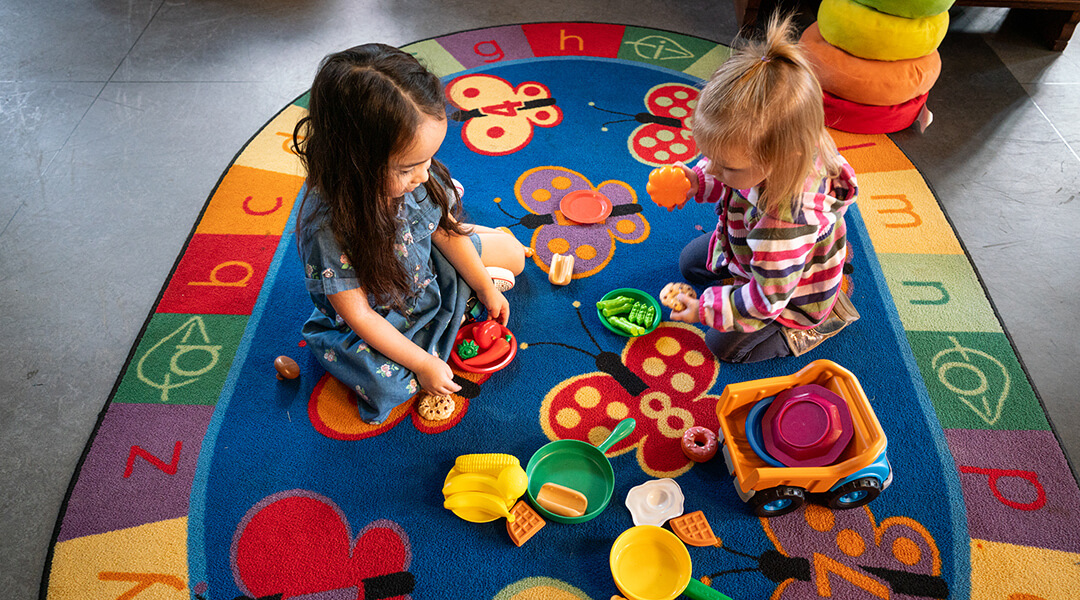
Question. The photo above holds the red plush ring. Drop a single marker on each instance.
(699, 444)
(853, 117)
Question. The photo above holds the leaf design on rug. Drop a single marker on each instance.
(822, 553)
(973, 375)
(661, 380)
(298, 543)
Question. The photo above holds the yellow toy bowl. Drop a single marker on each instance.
(651, 563)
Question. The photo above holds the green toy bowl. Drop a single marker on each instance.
(637, 295)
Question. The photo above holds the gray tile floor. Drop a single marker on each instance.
(119, 117)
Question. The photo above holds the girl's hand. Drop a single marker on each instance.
(436, 377)
(688, 314)
(692, 177)
(498, 308)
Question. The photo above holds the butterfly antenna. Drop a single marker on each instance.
(737, 553)
(503, 211)
(577, 309)
(567, 346)
(730, 571)
(614, 112)
(603, 125)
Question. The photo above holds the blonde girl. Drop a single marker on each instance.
(388, 265)
(773, 267)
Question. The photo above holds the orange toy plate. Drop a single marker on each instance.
(585, 206)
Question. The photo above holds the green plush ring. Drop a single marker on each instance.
(910, 9)
(867, 33)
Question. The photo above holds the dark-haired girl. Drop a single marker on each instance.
(388, 264)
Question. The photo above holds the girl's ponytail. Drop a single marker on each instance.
(766, 99)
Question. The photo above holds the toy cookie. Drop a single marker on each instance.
(435, 408)
(669, 295)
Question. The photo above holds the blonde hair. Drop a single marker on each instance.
(766, 99)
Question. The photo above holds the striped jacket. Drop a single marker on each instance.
(786, 268)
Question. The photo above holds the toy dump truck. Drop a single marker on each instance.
(772, 488)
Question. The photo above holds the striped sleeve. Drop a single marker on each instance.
(775, 254)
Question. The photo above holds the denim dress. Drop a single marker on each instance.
(431, 318)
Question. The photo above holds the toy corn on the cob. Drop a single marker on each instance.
(490, 463)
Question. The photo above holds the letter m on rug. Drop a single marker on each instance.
(169, 468)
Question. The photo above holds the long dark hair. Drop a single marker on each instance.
(366, 105)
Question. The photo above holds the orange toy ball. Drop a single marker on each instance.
(668, 186)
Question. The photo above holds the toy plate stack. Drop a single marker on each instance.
(876, 60)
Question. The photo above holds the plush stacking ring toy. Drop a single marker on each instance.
(853, 117)
(868, 33)
(910, 9)
(876, 82)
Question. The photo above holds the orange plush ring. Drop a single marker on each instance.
(699, 443)
(876, 82)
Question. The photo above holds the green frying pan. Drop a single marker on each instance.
(579, 466)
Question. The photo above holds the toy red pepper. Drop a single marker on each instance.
(486, 333)
(498, 349)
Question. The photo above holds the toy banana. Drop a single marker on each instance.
(479, 501)
(473, 482)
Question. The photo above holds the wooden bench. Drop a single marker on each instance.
(1057, 18)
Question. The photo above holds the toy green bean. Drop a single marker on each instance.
(626, 326)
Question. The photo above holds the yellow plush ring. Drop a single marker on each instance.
(877, 82)
(867, 33)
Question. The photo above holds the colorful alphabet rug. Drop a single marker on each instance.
(209, 478)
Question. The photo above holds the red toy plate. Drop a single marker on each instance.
(466, 333)
(585, 206)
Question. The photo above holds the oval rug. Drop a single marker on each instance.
(209, 478)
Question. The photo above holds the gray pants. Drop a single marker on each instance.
(730, 346)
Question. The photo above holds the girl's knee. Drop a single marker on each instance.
(501, 249)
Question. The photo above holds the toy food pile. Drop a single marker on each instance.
(483, 347)
(876, 60)
(483, 487)
(628, 314)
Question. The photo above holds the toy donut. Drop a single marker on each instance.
(699, 444)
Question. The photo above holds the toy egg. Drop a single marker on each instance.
(654, 502)
(807, 426)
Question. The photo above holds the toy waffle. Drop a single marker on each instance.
(694, 529)
(527, 523)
